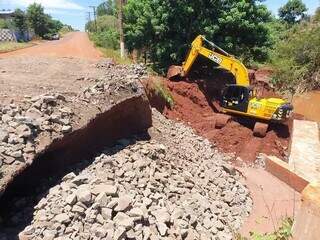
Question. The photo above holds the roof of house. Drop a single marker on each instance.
(6, 12)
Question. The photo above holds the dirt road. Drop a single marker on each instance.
(75, 45)
(65, 66)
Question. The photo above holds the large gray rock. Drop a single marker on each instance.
(4, 135)
(62, 218)
(109, 190)
(84, 196)
(122, 219)
(123, 203)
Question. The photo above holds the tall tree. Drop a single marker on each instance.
(168, 27)
(107, 8)
(293, 11)
(37, 19)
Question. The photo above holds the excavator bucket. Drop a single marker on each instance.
(174, 72)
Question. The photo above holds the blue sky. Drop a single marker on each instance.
(74, 12)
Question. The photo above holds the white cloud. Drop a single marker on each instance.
(48, 4)
(64, 12)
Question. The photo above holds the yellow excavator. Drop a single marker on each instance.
(239, 98)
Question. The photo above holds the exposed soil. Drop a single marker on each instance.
(310, 99)
(193, 105)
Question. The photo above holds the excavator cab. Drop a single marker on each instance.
(235, 97)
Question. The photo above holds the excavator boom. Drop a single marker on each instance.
(222, 58)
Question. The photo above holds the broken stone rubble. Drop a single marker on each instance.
(174, 186)
(21, 124)
(29, 126)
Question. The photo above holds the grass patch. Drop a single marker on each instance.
(12, 46)
(283, 233)
(163, 92)
(115, 55)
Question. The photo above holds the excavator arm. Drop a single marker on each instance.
(222, 58)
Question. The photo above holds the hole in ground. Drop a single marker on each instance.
(130, 117)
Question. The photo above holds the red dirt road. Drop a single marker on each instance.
(64, 66)
(75, 45)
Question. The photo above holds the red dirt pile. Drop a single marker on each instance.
(194, 107)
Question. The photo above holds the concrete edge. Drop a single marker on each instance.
(282, 171)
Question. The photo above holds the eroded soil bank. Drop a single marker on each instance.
(193, 106)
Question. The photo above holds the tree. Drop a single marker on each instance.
(296, 58)
(293, 11)
(107, 8)
(20, 20)
(5, 23)
(38, 19)
(166, 28)
(316, 16)
(42, 24)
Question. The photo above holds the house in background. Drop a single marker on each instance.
(11, 34)
(6, 14)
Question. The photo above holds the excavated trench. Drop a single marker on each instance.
(131, 116)
(194, 105)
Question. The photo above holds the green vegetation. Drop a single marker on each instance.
(293, 11)
(11, 46)
(162, 30)
(295, 57)
(115, 55)
(34, 19)
(65, 29)
(20, 20)
(107, 39)
(5, 23)
(107, 8)
(283, 233)
(162, 91)
(104, 31)
(156, 87)
(42, 24)
(166, 28)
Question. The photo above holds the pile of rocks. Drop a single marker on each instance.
(175, 186)
(20, 126)
(117, 80)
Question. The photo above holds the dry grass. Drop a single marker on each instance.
(12, 46)
(115, 55)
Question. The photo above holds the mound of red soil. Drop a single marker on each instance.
(194, 107)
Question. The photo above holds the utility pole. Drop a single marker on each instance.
(122, 49)
(95, 16)
(89, 20)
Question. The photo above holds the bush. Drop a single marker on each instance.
(283, 233)
(106, 39)
(5, 23)
(166, 28)
(163, 92)
(65, 29)
(296, 58)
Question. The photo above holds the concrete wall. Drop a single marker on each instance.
(8, 35)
